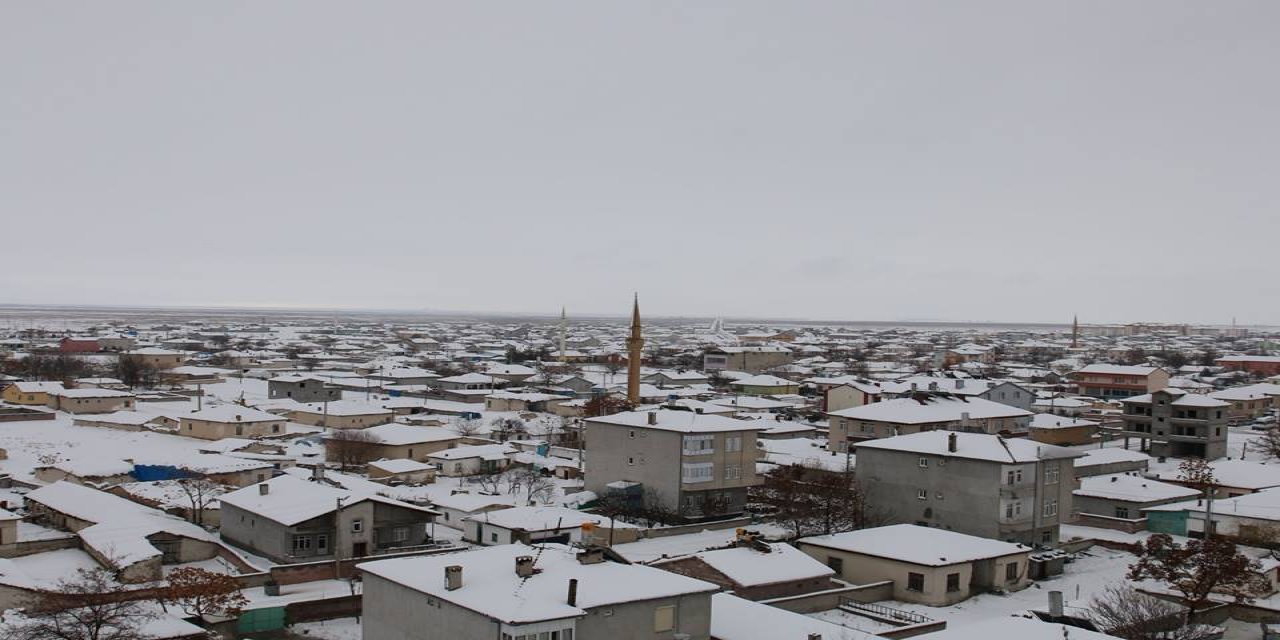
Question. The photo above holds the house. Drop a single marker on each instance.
(460, 505)
(122, 420)
(1117, 501)
(1172, 422)
(393, 441)
(96, 471)
(765, 385)
(1248, 402)
(844, 392)
(30, 393)
(157, 357)
(290, 519)
(546, 524)
(926, 565)
(402, 470)
(1014, 489)
(405, 376)
(470, 382)
(1100, 462)
(194, 375)
(525, 401)
(563, 594)
(1001, 391)
(709, 477)
(303, 388)
(512, 373)
(78, 344)
(677, 378)
(923, 412)
(132, 539)
(1062, 431)
(749, 359)
(230, 421)
(473, 459)
(1233, 478)
(1256, 365)
(1113, 381)
(8, 527)
(342, 414)
(230, 470)
(755, 570)
(90, 400)
(1060, 406)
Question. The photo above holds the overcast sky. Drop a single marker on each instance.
(1017, 161)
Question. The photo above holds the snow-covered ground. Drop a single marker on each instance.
(336, 629)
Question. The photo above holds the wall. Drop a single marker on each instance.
(830, 599)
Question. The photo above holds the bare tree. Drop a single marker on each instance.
(135, 372)
(466, 426)
(350, 447)
(199, 592)
(540, 490)
(86, 606)
(1126, 613)
(1198, 568)
(815, 502)
(200, 493)
(1269, 443)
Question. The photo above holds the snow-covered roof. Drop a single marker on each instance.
(88, 393)
(680, 421)
(290, 499)
(1016, 627)
(973, 446)
(93, 467)
(929, 410)
(343, 408)
(482, 451)
(1110, 455)
(1050, 421)
(400, 465)
(1242, 474)
(491, 587)
(763, 380)
(911, 543)
(1118, 369)
(38, 387)
(750, 567)
(1132, 489)
(232, 413)
(395, 434)
(734, 618)
(545, 519)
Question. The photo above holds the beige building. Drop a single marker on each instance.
(30, 393)
(158, 358)
(749, 359)
(1062, 431)
(230, 421)
(91, 400)
(342, 414)
(395, 441)
(697, 465)
(927, 566)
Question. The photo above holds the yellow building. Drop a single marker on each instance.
(30, 392)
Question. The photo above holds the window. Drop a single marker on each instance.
(692, 472)
(1013, 476)
(836, 564)
(1011, 572)
(915, 582)
(923, 463)
(400, 534)
(1051, 475)
(493, 537)
(700, 444)
(1122, 512)
(631, 434)
(953, 582)
(302, 544)
(732, 471)
(1050, 508)
(733, 444)
(357, 526)
(664, 618)
(631, 461)
(922, 494)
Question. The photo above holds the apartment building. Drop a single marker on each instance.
(1172, 422)
(695, 464)
(1113, 381)
(748, 359)
(984, 485)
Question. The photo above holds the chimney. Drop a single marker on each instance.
(964, 418)
(524, 566)
(591, 556)
(653, 417)
(317, 473)
(453, 577)
(573, 592)
(697, 410)
(815, 636)
(1055, 604)
(1113, 478)
(959, 383)
(914, 386)
(951, 442)
(264, 489)
(237, 417)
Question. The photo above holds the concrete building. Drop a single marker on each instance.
(1047, 428)
(230, 421)
(755, 570)
(1001, 391)
(157, 357)
(302, 388)
(748, 359)
(289, 519)
(546, 524)
(90, 400)
(1172, 422)
(927, 566)
(696, 465)
(926, 411)
(1116, 501)
(1113, 381)
(1249, 402)
(1257, 365)
(1110, 460)
(395, 441)
(30, 393)
(343, 414)
(473, 459)
(1014, 490)
(563, 594)
(765, 385)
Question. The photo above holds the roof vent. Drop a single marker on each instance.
(591, 556)
(653, 417)
(524, 566)
(453, 577)
(951, 442)
(264, 489)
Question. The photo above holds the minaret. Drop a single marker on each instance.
(635, 344)
(564, 319)
(1075, 331)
